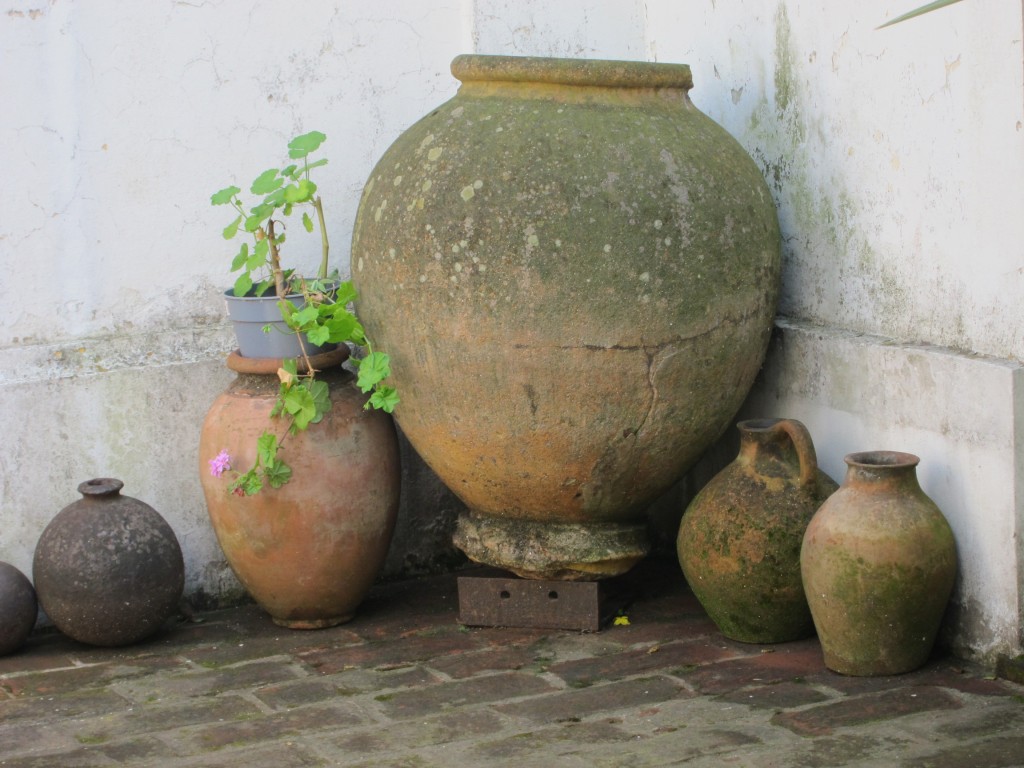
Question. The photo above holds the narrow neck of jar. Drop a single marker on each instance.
(756, 434)
(100, 488)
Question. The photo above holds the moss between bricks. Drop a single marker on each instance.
(1011, 669)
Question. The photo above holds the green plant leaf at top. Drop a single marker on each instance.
(266, 182)
(266, 448)
(934, 6)
(321, 398)
(343, 326)
(225, 195)
(319, 335)
(301, 192)
(260, 213)
(346, 292)
(300, 404)
(257, 260)
(302, 145)
(250, 483)
(305, 318)
(240, 258)
(275, 198)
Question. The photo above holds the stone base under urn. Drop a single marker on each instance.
(562, 551)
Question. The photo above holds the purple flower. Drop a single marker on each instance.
(219, 463)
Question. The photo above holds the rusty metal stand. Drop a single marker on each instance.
(491, 598)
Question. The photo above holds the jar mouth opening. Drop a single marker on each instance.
(605, 73)
(100, 486)
(869, 459)
(757, 425)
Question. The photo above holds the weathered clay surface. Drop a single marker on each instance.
(575, 273)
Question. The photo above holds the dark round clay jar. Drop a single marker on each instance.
(108, 569)
(18, 608)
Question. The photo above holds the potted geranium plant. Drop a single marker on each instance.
(312, 311)
(303, 515)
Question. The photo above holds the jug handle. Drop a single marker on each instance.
(801, 440)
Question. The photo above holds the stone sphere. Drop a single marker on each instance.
(18, 608)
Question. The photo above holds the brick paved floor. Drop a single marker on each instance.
(405, 685)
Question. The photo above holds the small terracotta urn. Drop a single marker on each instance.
(878, 563)
(739, 540)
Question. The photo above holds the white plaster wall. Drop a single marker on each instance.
(124, 117)
(120, 120)
(894, 156)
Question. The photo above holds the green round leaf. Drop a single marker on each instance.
(232, 229)
(373, 368)
(225, 195)
(302, 145)
(319, 335)
(266, 182)
(242, 284)
(384, 399)
(240, 258)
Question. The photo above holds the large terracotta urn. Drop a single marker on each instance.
(575, 273)
(309, 551)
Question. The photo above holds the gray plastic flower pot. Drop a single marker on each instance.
(250, 315)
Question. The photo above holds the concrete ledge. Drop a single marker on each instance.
(131, 406)
(91, 356)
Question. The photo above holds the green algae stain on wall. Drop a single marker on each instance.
(787, 96)
(829, 251)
